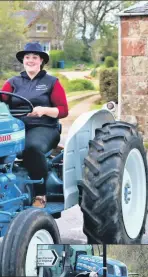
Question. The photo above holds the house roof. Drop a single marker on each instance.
(140, 8)
(29, 16)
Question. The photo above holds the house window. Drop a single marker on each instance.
(46, 46)
(41, 28)
(44, 28)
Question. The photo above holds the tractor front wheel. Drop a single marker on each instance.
(115, 186)
(19, 248)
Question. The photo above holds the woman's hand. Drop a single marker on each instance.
(48, 111)
(37, 111)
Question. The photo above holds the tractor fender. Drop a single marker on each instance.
(76, 149)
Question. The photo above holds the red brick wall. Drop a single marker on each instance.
(134, 70)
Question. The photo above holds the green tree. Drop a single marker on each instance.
(106, 45)
(127, 4)
(91, 15)
(73, 49)
(11, 34)
(24, 5)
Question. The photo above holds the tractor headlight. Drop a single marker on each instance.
(110, 106)
(93, 274)
(117, 270)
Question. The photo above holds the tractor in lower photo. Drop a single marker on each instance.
(80, 260)
(102, 168)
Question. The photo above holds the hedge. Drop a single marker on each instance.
(109, 61)
(109, 84)
(55, 57)
(80, 84)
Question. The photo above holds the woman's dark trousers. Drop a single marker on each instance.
(39, 140)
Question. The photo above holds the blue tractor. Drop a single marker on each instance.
(88, 265)
(79, 260)
(103, 168)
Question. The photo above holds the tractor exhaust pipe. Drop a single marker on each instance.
(66, 269)
(104, 260)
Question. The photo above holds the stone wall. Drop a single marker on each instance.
(134, 71)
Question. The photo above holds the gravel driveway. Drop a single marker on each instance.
(71, 75)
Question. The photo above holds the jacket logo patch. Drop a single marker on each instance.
(41, 87)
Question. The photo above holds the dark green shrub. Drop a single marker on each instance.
(109, 84)
(115, 55)
(86, 55)
(116, 63)
(80, 84)
(94, 72)
(55, 57)
(109, 61)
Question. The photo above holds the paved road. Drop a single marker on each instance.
(70, 226)
(81, 96)
(76, 111)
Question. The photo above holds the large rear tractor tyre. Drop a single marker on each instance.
(115, 186)
(19, 248)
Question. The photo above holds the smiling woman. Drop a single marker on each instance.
(42, 125)
(32, 64)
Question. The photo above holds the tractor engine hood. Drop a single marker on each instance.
(12, 133)
(90, 263)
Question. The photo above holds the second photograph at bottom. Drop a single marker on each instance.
(92, 260)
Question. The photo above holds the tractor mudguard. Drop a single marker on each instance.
(76, 149)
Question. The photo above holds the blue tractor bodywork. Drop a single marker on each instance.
(81, 260)
(12, 142)
(90, 263)
(15, 185)
(65, 168)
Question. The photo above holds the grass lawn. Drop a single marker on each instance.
(78, 93)
(97, 106)
(71, 104)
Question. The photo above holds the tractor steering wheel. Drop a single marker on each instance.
(19, 112)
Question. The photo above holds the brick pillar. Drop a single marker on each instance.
(134, 70)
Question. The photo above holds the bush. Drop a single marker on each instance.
(86, 55)
(109, 84)
(94, 72)
(116, 63)
(55, 56)
(8, 74)
(109, 61)
(5, 75)
(80, 84)
(63, 80)
(74, 85)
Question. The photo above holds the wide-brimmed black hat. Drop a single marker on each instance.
(32, 47)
